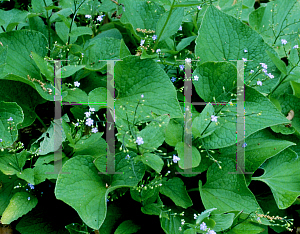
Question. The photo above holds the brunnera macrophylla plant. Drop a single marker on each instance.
(104, 143)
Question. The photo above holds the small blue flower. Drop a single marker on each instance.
(173, 79)
(283, 41)
(10, 119)
(89, 122)
(0, 140)
(28, 198)
(244, 145)
(154, 37)
(203, 226)
(127, 156)
(88, 16)
(181, 67)
(100, 17)
(180, 28)
(94, 130)
(31, 186)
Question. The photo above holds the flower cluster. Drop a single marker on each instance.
(265, 67)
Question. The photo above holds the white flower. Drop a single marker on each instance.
(154, 37)
(180, 28)
(295, 47)
(175, 158)
(196, 77)
(94, 130)
(195, 216)
(265, 71)
(245, 51)
(100, 17)
(89, 122)
(259, 83)
(88, 16)
(270, 75)
(139, 140)
(214, 118)
(127, 156)
(77, 124)
(76, 84)
(211, 232)
(87, 114)
(251, 71)
(244, 59)
(142, 96)
(92, 109)
(28, 198)
(0, 140)
(199, 7)
(158, 50)
(265, 66)
(181, 67)
(10, 119)
(31, 186)
(142, 42)
(283, 41)
(203, 226)
(188, 60)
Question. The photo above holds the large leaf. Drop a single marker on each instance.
(226, 191)
(149, 80)
(8, 127)
(260, 113)
(174, 188)
(284, 15)
(26, 97)
(85, 190)
(11, 164)
(261, 146)
(168, 25)
(141, 14)
(21, 203)
(19, 64)
(282, 176)
(217, 35)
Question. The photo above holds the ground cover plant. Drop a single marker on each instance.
(133, 116)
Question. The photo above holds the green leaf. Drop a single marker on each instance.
(79, 31)
(202, 125)
(45, 159)
(26, 97)
(171, 224)
(39, 7)
(49, 141)
(114, 212)
(278, 62)
(18, 206)
(75, 95)
(149, 80)
(12, 164)
(7, 190)
(185, 151)
(280, 174)
(85, 190)
(175, 189)
(68, 71)
(127, 227)
(66, 21)
(261, 146)
(8, 129)
(259, 109)
(153, 161)
(204, 215)
(98, 98)
(185, 42)
(285, 22)
(146, 17)
(105, 48)
(289, 102)
(75, 228)
(223, 221)
(169, 23)
(296, 88)
(46, 69)
(174, 133)
(93, 145)
(230, 31)
(246, 227)
(19, 65)
(62, 31)
(154, 209)
(226, 191)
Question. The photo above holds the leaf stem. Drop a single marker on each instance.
(70, 29)
(161, 32)
(49, 27)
